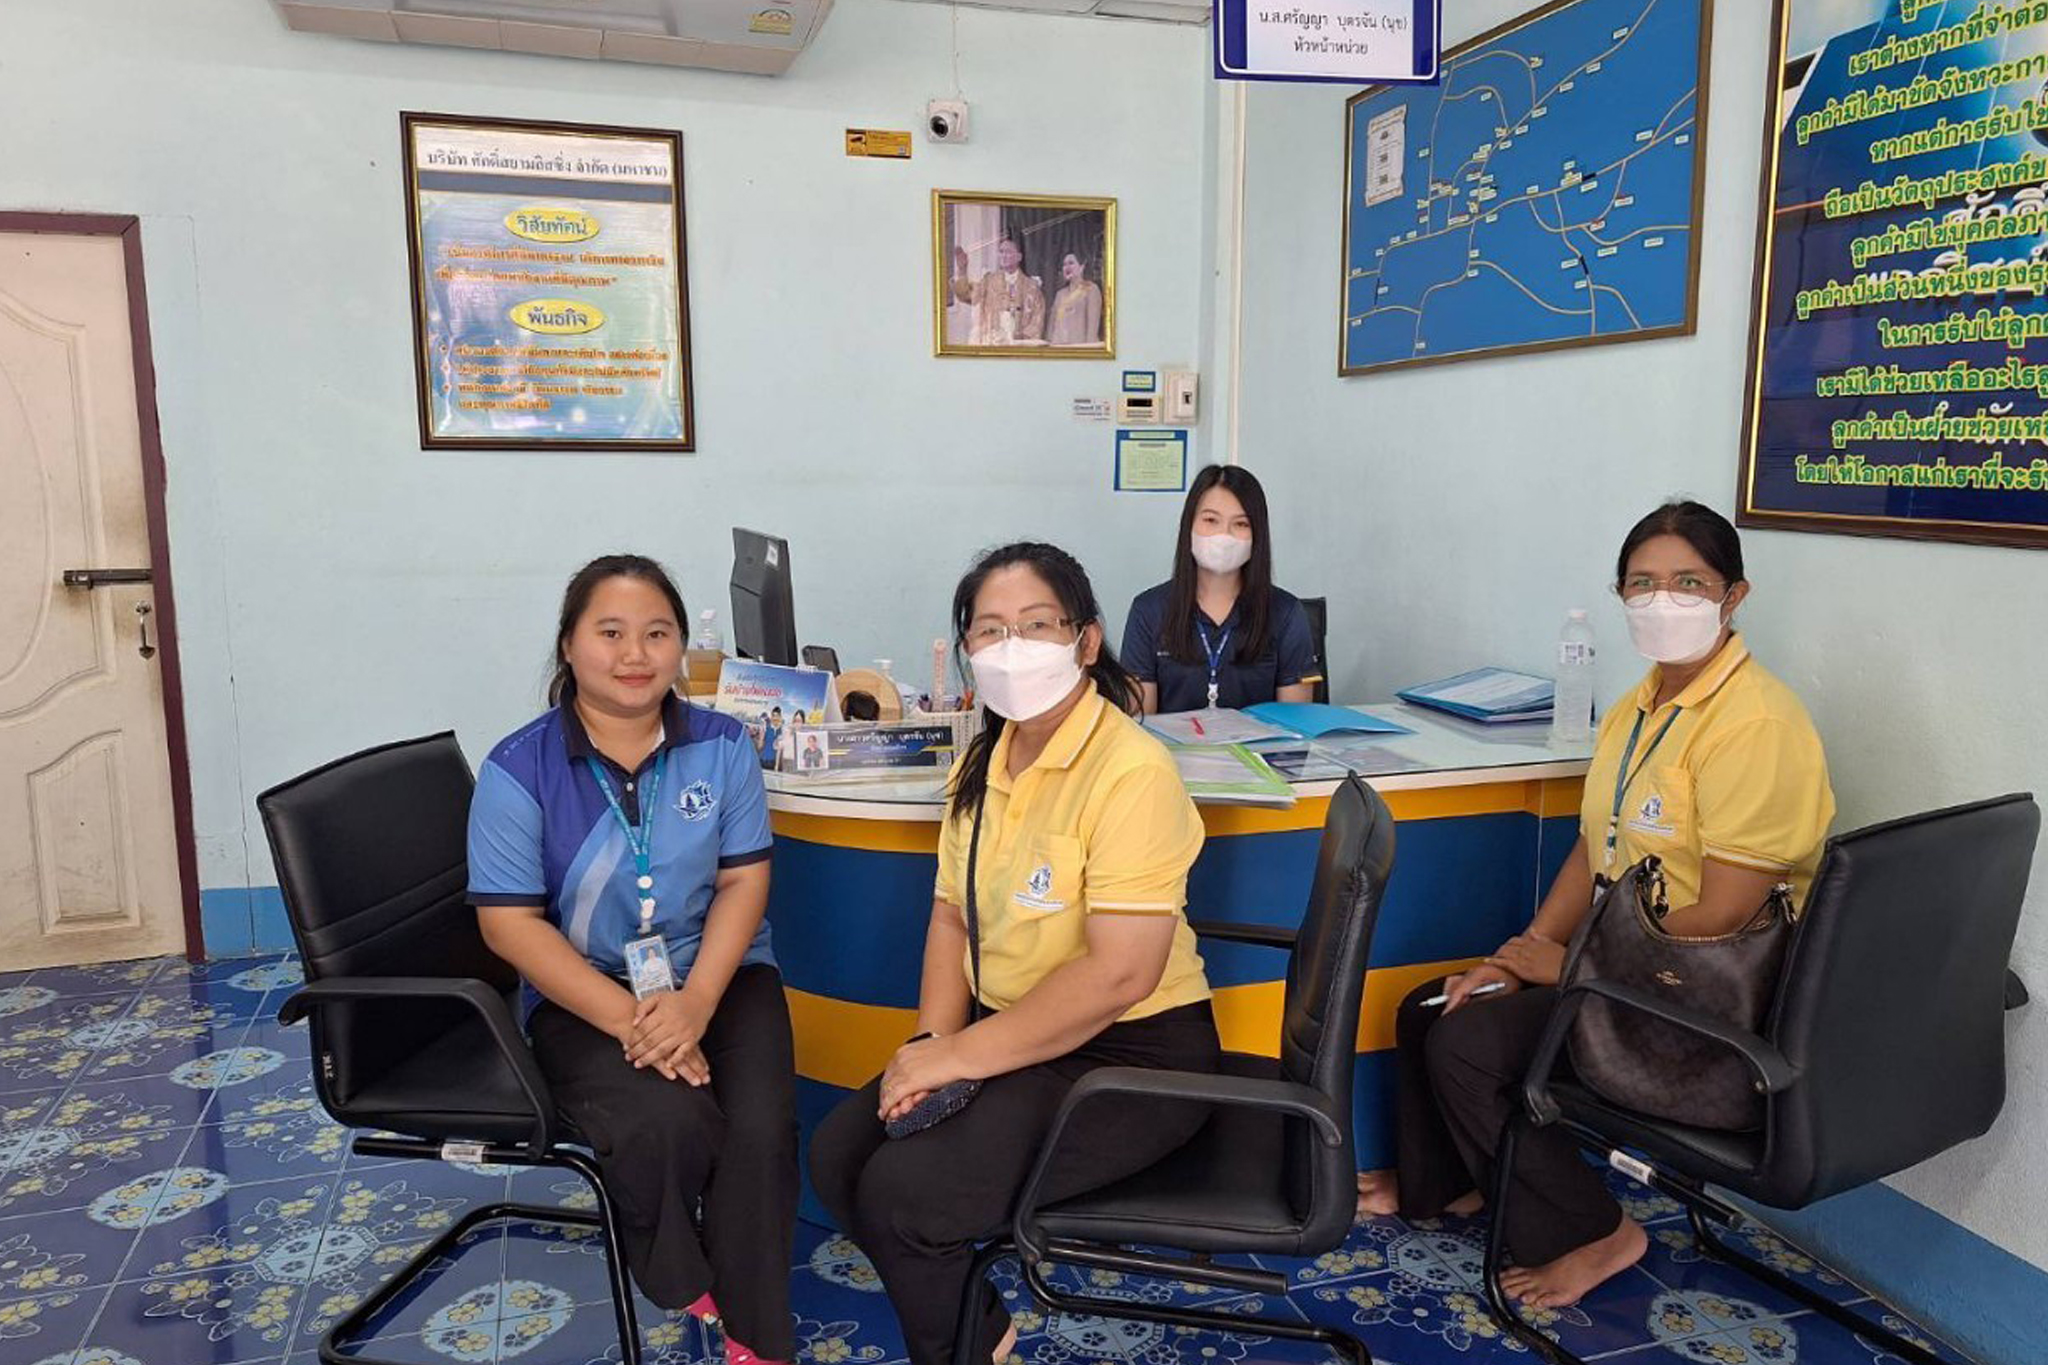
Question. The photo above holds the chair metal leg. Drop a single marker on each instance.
(1346, 1345)
(335, 1344)
(1505, 1312)
(1713, 1245)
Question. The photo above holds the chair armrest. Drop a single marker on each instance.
(1774, 1072)
(1230, 931)
(400, 990)
(2015, 990)
(1253, 1092)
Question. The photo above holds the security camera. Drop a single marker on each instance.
(946, 120)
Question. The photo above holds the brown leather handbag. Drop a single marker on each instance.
(1643, 1063)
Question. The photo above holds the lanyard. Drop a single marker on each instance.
(1624, 778)
(1215, 654)
(640, 840)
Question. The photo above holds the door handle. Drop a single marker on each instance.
(147, 650)
(100, 578)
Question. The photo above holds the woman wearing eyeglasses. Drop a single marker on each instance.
(1711, 764)
(1072, 826)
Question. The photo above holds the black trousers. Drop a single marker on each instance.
(918, 1205)
(1460, 1077)
(665, 1145)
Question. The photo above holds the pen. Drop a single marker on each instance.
(1196, 722)
(1488, 989)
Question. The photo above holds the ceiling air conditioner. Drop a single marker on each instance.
(761, 37)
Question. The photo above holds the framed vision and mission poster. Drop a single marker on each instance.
(1899, 339)
(549, 285)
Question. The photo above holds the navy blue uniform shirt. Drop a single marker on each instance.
(1288, 658)
(542, 833)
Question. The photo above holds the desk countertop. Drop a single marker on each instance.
(1443, 751)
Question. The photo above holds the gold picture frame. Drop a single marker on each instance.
(1055, 300)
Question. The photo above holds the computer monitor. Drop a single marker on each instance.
(763, 617)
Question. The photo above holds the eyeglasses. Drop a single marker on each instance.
(1686, 589)
(1050, 628)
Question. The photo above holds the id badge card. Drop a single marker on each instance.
(647, 967)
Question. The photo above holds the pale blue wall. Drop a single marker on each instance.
(338, 587)
(1470, 505)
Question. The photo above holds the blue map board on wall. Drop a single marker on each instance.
(1545, 193)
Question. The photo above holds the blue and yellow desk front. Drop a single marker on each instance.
(1484, 817)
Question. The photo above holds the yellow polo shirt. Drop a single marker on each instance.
(1099, 824)
(1738, 777)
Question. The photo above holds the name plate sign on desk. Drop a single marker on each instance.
(1352, 41)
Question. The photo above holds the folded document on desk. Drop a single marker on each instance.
(1491, 695)
(1313, 720)
(1230, 774)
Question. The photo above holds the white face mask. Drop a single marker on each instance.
(1219, 554)
(1024, 679)
(1667, 633)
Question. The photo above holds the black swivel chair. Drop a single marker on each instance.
(414, 1021)
(1885, 1044)
(1318, 612)
(1273, 1171)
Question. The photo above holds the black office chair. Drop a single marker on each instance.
(1885, 1044)
(1318, 611)
(414, 1020)
(1274, 1170)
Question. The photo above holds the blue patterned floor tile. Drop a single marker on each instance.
(292, 1040)
(20, 1111)
(137, 1102)
(36, 1326)
(205, 1318)
(569, 1259)
(59, 1252)
(562, 1333)
(843, 1318)
(1640, 1202)
(269, 1148)
(275, 1226)
(54, 1040)
(1824, 1342)
(217, 998)
(265, 972)
(59, 1167)
(101, 978)
(1059, 1338)
(1676, 1260)
(476, 1263)
(167, 1041)
(1407, 1320)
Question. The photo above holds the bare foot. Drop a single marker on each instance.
(1573, 1275)
(1006, 1345)
(1377, 1195)
(1465, 1205)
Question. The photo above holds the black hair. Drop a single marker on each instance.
(1069, 583)
(1707, 531)
(859, 705)
(576, 600)
(1255, 588)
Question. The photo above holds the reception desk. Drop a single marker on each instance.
(1485, 814)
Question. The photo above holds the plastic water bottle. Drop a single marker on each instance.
(708, 635)
(1572, 712)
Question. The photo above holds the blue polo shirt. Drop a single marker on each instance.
(1289, 655)
(542, 833)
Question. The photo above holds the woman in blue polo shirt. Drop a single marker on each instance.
(1218, 633)
(618, 857)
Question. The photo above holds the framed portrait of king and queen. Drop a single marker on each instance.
(1023, 275)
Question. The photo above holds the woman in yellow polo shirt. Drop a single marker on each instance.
(1085, 836)
(1710, 763)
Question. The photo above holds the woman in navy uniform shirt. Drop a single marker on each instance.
(1218, 633)
(618, 857)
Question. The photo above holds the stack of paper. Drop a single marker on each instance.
(1230, 774)
(1490, 695)
(1273, 720)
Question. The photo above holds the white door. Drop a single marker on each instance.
(88, 849)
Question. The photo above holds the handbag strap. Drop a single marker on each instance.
(974, 911)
